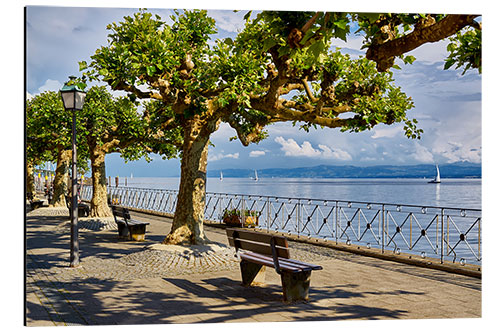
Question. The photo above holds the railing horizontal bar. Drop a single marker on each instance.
(400, 226)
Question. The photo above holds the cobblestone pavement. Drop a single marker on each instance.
(149, 281)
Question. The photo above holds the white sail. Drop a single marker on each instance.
(438, 177)
(221, 176)
(256, 176)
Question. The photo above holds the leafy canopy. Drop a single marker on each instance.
(48, 129)
(283, 66)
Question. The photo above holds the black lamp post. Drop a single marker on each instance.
(73, 98)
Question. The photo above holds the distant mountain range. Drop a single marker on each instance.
(452, 170)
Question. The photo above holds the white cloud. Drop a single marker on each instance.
(431, 52)
(292, 148)
(387, 131)
(422, 154)
(257, 153)
(456, 152)
(50, 85)
(220, 156)
(337, 154)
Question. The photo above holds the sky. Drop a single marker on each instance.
(448, 105)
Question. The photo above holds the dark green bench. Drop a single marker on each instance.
(258, 250)
(36, 203)
(83, 208)
(128, 228)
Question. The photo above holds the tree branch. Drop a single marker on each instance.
(384, 54)
(136, 91)
(308, 91)
(285, 114)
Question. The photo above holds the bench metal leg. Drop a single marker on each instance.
(252, 274)
(295, 286)
(123, 231)
(83, 211)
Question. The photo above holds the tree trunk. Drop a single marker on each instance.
(99, 202)
(61, 179)
(30, 182)
(187, 226)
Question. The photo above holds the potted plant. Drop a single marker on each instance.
(233, 218)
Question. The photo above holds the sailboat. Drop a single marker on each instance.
(221, 176)
(256, 176)
(436, 180)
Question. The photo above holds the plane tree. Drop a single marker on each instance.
(110, 125)
(48, 138)
(282, 67)
(36, 155)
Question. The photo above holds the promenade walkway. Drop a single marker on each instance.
(123, 282)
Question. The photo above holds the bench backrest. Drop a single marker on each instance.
(121, 212)
(258, 242)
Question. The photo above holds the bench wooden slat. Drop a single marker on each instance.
(267, 261)
(259, 247)
(258, 242)
(301, 266)
(258, 237)
(313, 266)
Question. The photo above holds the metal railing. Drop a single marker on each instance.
(445, 233)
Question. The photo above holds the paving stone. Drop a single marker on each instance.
(120, 282)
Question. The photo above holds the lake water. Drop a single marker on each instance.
(420, 227)
(459, 193)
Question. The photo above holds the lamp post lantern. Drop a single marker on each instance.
(73, 98)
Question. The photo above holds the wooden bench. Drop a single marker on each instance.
(260, 250)
(36, 203)
(128, 228)
(83, 208)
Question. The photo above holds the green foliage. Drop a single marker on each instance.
(48, 129)
(237, 212)
(280, 67)
(160, 140)
(465, 48)
(114, 123)
(465, 51)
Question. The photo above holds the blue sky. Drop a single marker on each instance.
(447, 104)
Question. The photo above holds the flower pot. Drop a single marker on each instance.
(236, 221)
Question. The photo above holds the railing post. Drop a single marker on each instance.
(442, 235)
(336, 222)
(479, 239)
(268, 213)
(242, 212)
(383, 228)
(298, 217)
